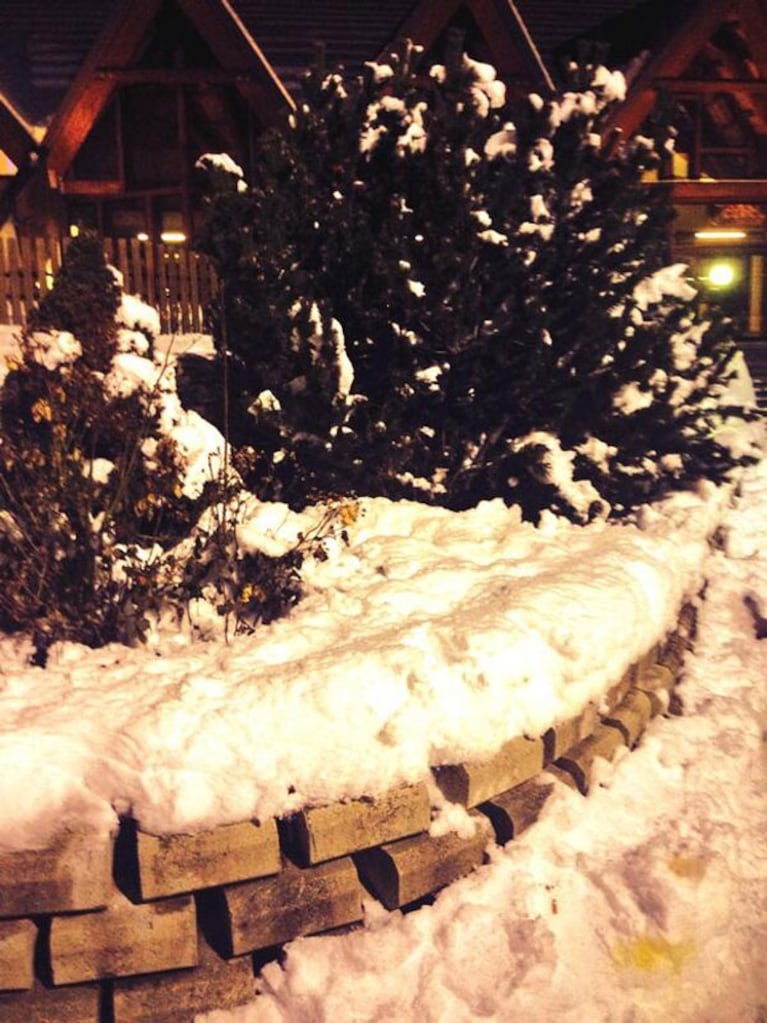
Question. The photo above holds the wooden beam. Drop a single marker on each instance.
(174, 76)
(109, 65)
(669, 61)
(730, 190)
(510, 42)
(424, 24)
(16, 140)
(95, 188)
(696, 87)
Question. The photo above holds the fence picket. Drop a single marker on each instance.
(179, 283)
(14, 283)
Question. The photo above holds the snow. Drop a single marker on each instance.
(487, 91)
(541, 156)
(502, 143)
(554, 465)
(55, 348)
(136, 315)
(669, 281)
(344, 364)
(412, 133)
(645, 901)
(429, 637)
(380, 72)
(223, 162)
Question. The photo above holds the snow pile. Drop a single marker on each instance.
(646, 901)
(430, 637)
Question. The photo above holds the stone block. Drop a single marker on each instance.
(656, 678)
(151, 867)
(400, 872)
(605, 741)
(299, 900)
(79, 1004)
(473, 783)
(514, 811)
(123, 939)
(180, 994)
(673, 653)
(631, 716)
(17, 953)
(73, 873)
(659, 700)
(326, 832)
(566, 734)
(616, 693)
(552, 771)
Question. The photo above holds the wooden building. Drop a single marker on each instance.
(105, 106)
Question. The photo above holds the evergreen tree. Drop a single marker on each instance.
(433, 292)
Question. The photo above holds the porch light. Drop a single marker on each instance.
(173, 237)
(142, 236)
(721, 275)
(720, 234)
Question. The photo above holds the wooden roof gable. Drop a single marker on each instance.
(716, 56)
(511, 48)
(113, 61)
(670, 60)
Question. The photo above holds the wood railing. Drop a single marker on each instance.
(177, 281)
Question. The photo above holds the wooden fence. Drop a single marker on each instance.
(178, 282)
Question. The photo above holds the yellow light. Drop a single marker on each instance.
(721, 234)
(142, 236)
(721, 275)
(74, 230)
(173, 237)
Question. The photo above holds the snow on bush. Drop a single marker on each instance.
(105, 475)
(496, 271)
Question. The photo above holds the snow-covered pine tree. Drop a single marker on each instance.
(433, 292)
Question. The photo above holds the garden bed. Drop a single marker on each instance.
(257, 787)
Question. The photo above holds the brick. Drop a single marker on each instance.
(299, 900)
(631, 716)
(473, 783)
(566, 734)
(79, 1004)
(73, 873)
(178, 995)
(151, 867)
(123, 939)
(400, 872)
(326, 832)
(17, 953)
(604, 742)
(514, 811)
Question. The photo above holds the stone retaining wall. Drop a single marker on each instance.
(146, 929)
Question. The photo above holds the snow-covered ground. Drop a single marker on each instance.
(644, 903)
